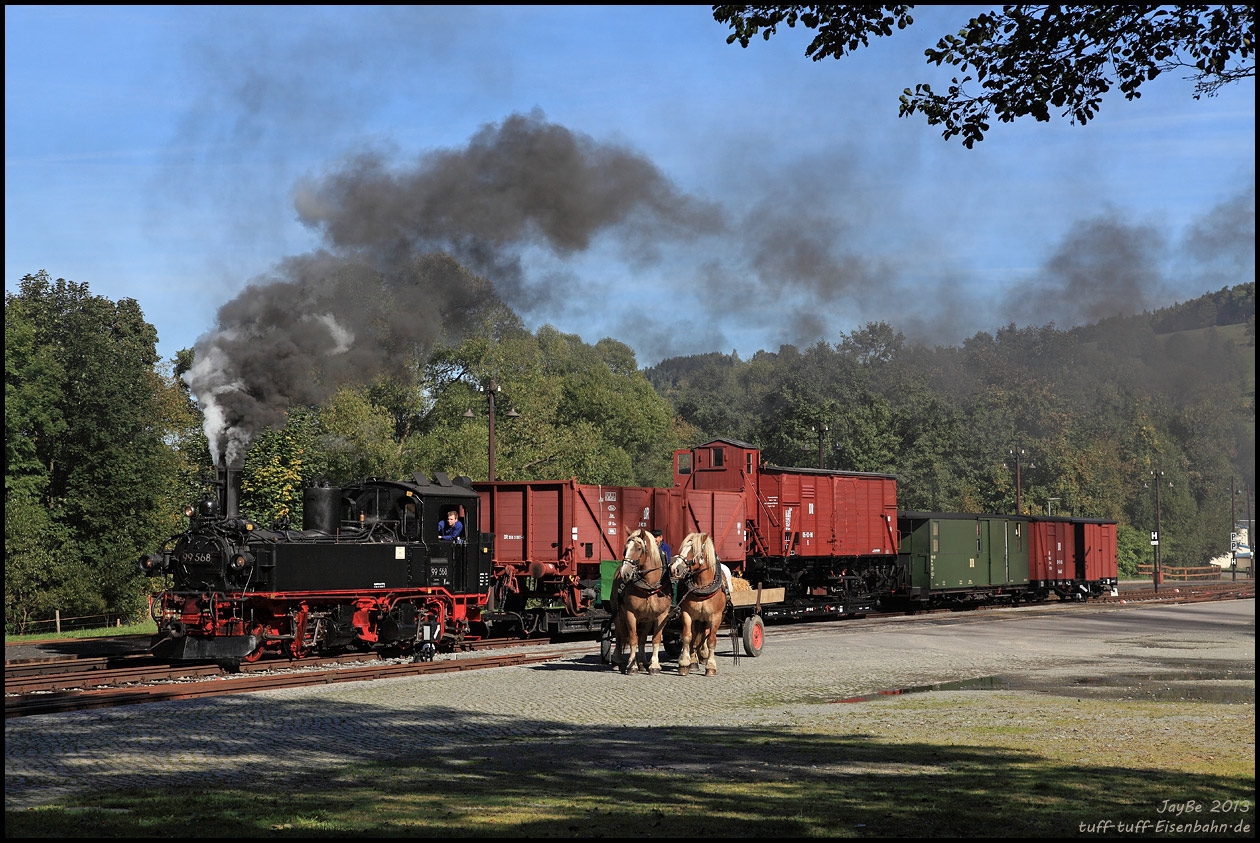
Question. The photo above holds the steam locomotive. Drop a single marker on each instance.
(368, 569)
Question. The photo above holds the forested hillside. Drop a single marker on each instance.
(1098, 412)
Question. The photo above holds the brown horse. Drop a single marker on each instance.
(704, 591)
(640, 604)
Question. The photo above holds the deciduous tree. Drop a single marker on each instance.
(86, 437)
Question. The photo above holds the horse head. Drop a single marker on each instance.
(695, 555)
(642, 558)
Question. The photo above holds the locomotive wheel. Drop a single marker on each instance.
(754, 635)
(257, 653)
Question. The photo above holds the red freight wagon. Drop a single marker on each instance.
(1074, 558)
(817, 533)
(1096, 566)
(550, 539)
(826, 514)
(1051, 553)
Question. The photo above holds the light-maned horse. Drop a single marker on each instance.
(640, 602)
(703, 591)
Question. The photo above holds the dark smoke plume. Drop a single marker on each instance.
(378, 299)
(1104, 267)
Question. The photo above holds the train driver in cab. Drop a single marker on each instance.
(451, 529)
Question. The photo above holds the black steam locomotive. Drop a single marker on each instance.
(367, 570)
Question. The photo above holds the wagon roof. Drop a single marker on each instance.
(827, 471)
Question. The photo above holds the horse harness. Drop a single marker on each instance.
(701, 593)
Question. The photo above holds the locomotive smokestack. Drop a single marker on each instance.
(232, 485)
(229, 483)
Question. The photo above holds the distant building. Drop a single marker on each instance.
(1240, 550)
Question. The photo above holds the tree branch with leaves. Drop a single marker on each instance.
(1031, 60)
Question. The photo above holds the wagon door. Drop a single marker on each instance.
(721, 515)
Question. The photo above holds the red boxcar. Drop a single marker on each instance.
(1096, 556)
(786, 511)
(1074, 558)
(551, 540)
(822, 535)
(1051, 553)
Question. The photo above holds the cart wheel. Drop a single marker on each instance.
(606, 638)
(754, 635)
(671, 643)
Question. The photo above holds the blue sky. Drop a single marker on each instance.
(740, 198)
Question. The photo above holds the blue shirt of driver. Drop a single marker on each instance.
(448, 531)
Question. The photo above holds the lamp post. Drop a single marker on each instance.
(1251, 545)
(1233, 529)
(821, 430)
(491, 387)
(1157, 537)
(1018, 454)
(1235, 540)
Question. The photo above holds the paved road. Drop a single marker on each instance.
(242, 739)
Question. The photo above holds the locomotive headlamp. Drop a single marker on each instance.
(240, 561)
(152, 563)
(188, 511)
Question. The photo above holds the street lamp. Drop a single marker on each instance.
(1156, 537)
(821, 430)
(1018, 454)
(1234, 537)
(491, 387)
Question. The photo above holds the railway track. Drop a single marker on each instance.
(107, 688)
(59, 684)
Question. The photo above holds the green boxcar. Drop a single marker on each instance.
(950, 558)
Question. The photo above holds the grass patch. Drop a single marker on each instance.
(146, 627)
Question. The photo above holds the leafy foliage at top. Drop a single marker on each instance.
(1032, 60)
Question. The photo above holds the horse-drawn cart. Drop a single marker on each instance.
(743, 622)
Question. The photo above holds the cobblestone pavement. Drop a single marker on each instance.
(238, 740)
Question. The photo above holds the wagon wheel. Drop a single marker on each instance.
(607, 637)
(754, 635)
(671, 642)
